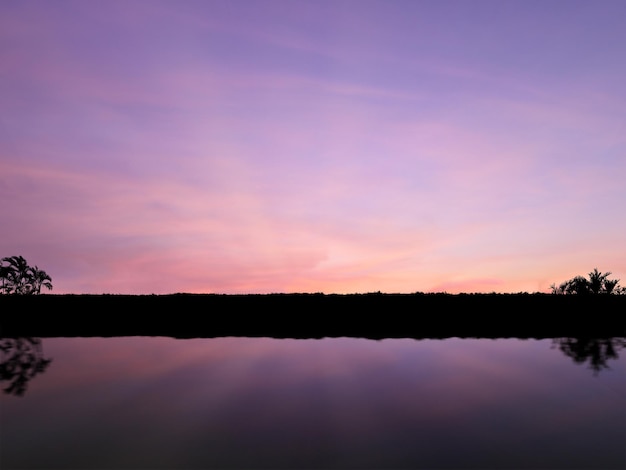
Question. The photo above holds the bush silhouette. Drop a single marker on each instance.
(597, 283)
(17, 277)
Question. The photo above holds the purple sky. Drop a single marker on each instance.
(313, 146)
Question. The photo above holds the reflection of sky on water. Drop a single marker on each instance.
(343, 402)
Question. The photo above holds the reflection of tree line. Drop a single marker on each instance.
(21, 359)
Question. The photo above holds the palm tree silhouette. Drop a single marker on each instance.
(598, 283)
(39, 279)
(16, 275)
(20, 278)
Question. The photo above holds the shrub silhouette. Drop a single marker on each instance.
(597, 283)
(17, 277)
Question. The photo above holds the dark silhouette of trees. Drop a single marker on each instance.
(595, 351)
(598, 283)
(21, 359)
(17, 277)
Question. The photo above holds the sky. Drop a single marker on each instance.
(268, 146)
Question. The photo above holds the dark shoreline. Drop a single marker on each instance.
(370, 315)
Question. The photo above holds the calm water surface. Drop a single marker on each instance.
(156, 402)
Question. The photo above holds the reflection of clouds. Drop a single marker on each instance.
(432, 377)
(280, 401)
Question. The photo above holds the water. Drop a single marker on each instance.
(164, 403)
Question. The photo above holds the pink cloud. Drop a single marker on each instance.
(228, 159)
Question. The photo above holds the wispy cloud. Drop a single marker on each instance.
(211, 148)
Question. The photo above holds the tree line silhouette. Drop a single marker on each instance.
(17, 277)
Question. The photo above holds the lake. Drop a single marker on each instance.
(245, 402)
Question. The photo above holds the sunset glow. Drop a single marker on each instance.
(313, 146)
